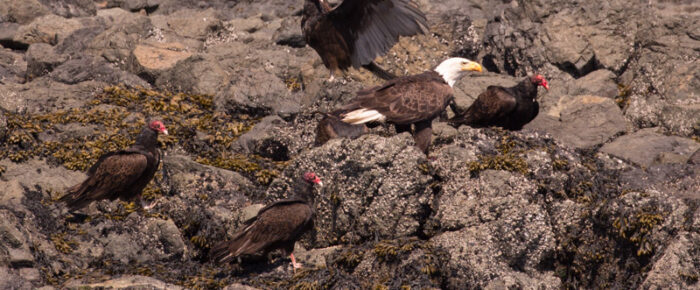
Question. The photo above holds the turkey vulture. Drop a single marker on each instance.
(510, 108)
(357, 31)
(277, 226)
(415, 99)
(122, 174)
(332, 127)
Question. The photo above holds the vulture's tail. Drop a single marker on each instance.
(378, 71)
(226, 251)
(76, 196)
(221, 252)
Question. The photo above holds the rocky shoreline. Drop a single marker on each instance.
(601, 190)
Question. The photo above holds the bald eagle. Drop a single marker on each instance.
(410, 100)
(355, 32)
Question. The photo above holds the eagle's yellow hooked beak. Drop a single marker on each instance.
(472, 66)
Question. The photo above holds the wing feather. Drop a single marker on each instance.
(276, 223)
(403, 100)
(372, 27)
(113, 174)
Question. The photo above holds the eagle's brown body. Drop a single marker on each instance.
(405, 101)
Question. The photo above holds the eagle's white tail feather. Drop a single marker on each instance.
(362, 116)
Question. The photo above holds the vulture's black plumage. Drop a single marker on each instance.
(122, 174)
(411, 100)
(355, 32)
(277, 226)
(509, 108)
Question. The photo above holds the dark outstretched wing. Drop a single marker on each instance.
(280, 222)
(114, 173)
(489, 108)
(372, 27)
(407, 99)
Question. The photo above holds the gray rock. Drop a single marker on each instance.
(150, 59)
(49, 29)
(8, 32)
(496, 207)
(3, 126)
(79, 40)
(20, 258)
(11, 280)
(41, 60)
(194, 24)
(238, 286)
(663, 83)
(71, 8)
(383, 194)
(90, 68)
(197, 74)
(264, 140)
(134, 5)
(474, 262)
(30, 274)
(315, 257)
(585, 121)
(182, 170)
(124, 33)
(12, 66)
(675, 268)
(21, 11)
(34, 172)
(598, 83)
(694, 159)
(125, 282)
(645, 146)
(44, 95)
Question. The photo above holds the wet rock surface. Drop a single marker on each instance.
(601, 190)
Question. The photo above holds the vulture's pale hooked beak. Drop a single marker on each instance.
(165, 131)
(472, 66)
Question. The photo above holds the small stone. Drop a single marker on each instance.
(20, 257)
(30, 274)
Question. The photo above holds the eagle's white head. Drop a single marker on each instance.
(452, 69)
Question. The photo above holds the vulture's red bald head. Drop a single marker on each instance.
(158, 127)
(539, 80)
(311, 177)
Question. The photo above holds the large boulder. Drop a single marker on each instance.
(384, 192)
(90, 68)
(583, 121)
(42, 59)
(21, 11)
(150, 59)
(49, 29)
(71, 8)
(647, 147)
